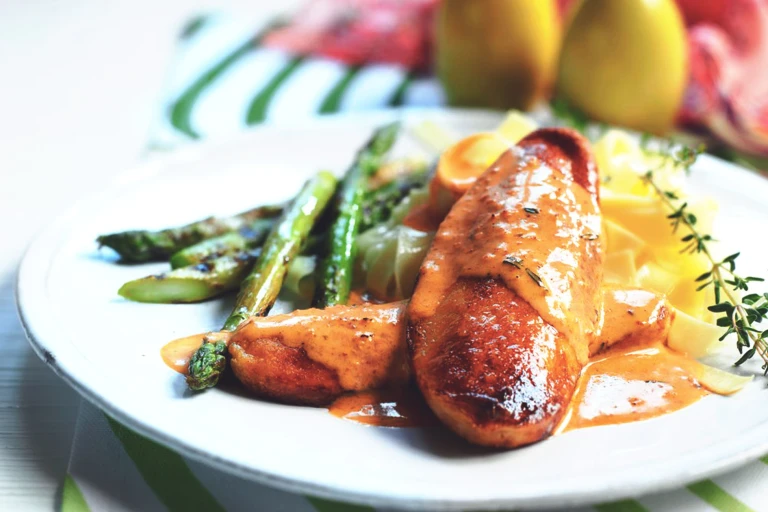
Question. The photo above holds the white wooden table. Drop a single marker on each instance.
(80, 86)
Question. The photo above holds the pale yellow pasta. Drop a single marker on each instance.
(655, 278)
(620, 268)
(515, 126)
(647, 217)
(618, 238)
(719, 381)
(692, 336)
(622, 162)
(635, 219)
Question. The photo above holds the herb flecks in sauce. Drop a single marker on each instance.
(514, 261)
(536, 278)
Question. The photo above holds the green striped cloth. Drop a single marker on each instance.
(221, 82)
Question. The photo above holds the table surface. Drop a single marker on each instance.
(81, 82)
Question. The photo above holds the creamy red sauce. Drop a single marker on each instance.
(385, 408)
(622, 385)
(618, 385)
(504, 228)
(632, 384)
(421, 218)
(177, 353)
(638, 379)
(362, 345)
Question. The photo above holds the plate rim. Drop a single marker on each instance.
(739, 452)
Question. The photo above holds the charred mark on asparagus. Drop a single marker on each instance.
(141, 245)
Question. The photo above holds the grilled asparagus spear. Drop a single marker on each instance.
(379, 202)
(212, 277)
(261, 287)
(139, 246)
(218, 265)
(193, 283)
(212, 237)
(245, 238)
(377, 205)
(337, 267)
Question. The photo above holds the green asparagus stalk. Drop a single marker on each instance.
(377, 207)
(140, 246)
(337, 267)
(246, 238)
(212, 277)
(193, 283)
(261, 287)
(379, 202)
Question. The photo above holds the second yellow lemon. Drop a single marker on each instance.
(625, 62)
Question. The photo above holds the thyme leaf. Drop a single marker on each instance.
(536, 279)
(514, 261)
(517, 262)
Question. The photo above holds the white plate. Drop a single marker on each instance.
(108, 348)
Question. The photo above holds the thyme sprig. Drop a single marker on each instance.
(738, 316)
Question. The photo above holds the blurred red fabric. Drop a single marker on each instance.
(362, 31)
(727, 92)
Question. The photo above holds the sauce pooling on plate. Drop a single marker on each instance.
(633, 381)
(385, 408)
(632, 384)
(177, 353)
(638, 379)
(622, 385)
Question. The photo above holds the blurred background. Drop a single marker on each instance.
(81, 85)
(85, 83)
(683, 67)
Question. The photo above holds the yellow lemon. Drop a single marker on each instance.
(625, 62)
(497, 53)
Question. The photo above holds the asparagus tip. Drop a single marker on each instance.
(207, 365)
(130, 245)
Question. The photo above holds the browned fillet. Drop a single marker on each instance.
(312, 356)
(273, 370)
(494, 368)
(499, 364)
